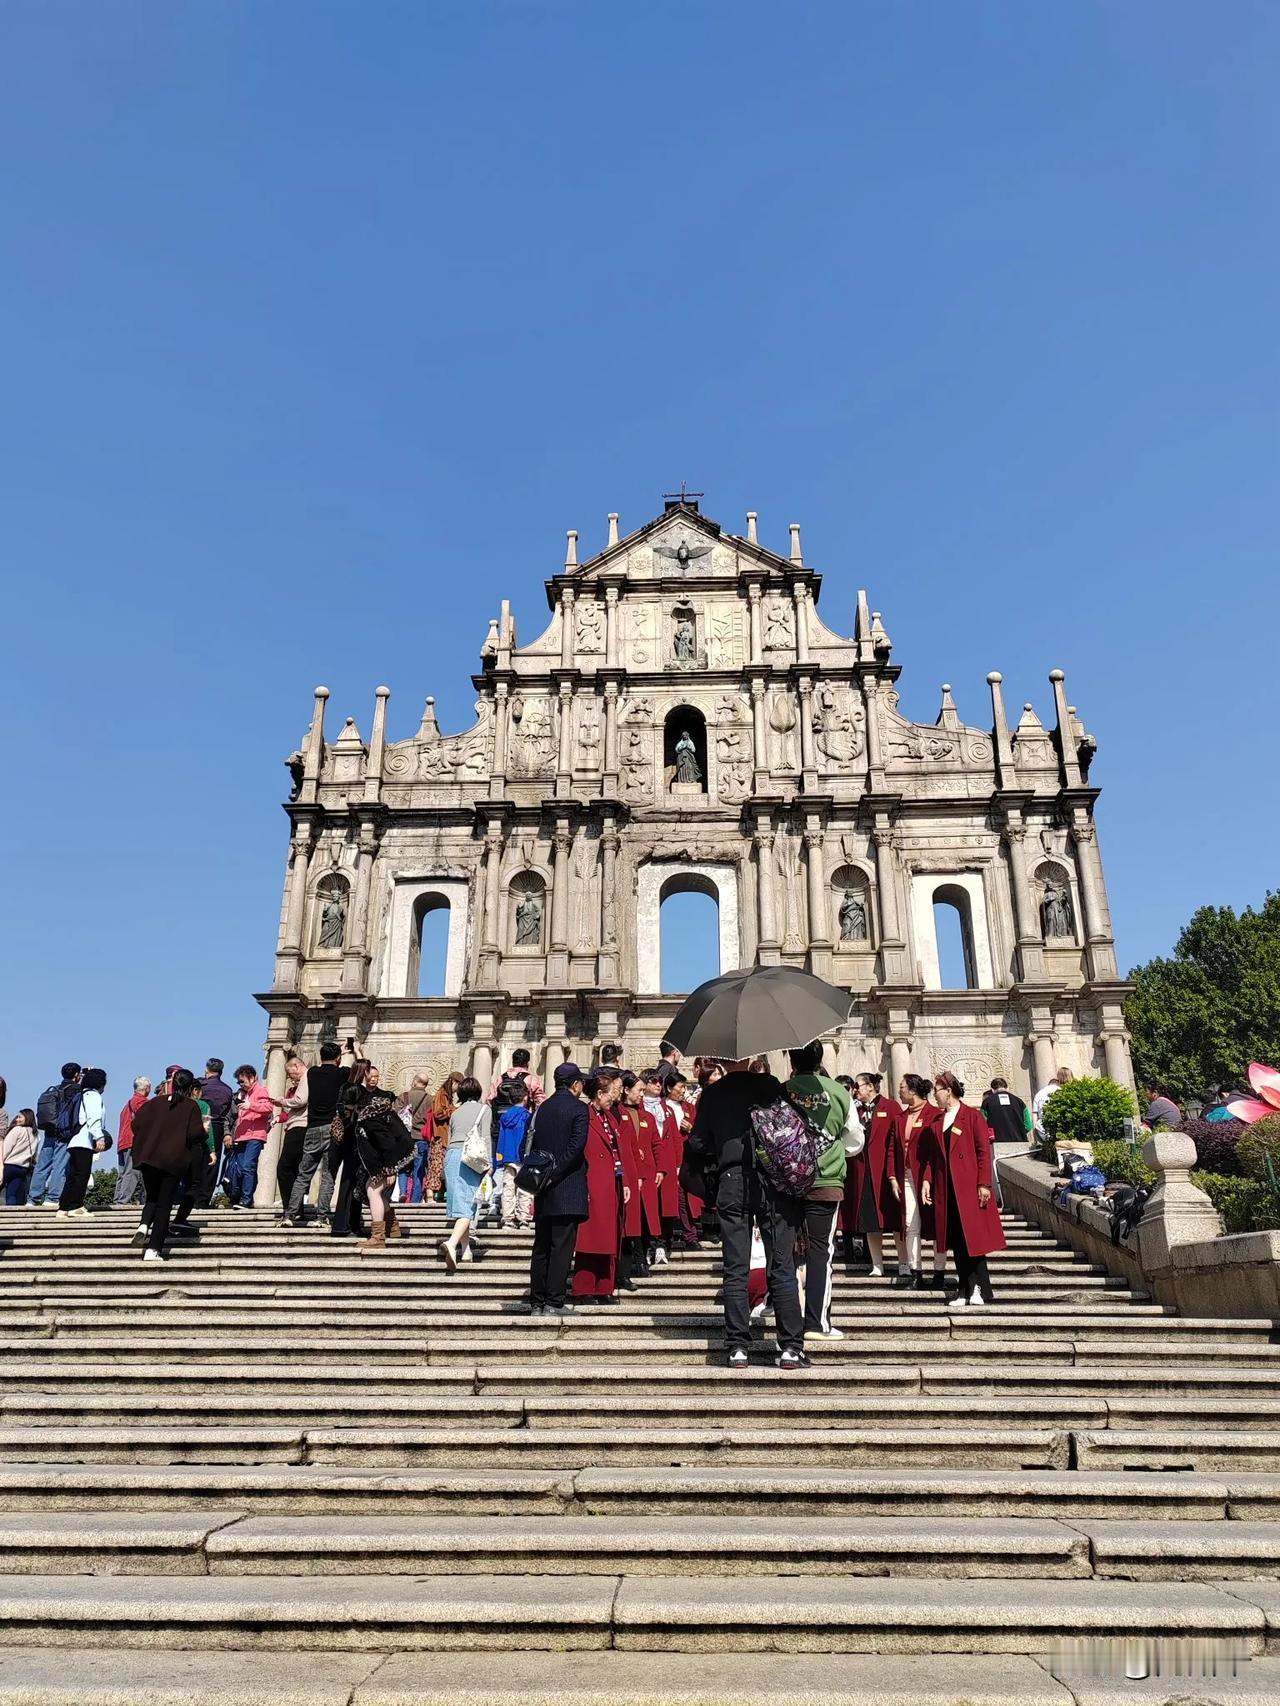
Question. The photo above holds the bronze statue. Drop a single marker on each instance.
(853, 917)
(687, 767)
(1058, 912)
(333, 919)
(529, 922)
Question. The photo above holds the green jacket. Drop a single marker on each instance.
(827, 1105)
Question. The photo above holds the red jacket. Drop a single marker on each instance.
(639, 1172)
(599, 1233)
(961, 1159)
(874, 1159)
(906, 1155)
(667, 1159)
(124, 1127)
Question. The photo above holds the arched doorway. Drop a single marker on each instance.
(429, 946)
(953, 933)
(689, 933)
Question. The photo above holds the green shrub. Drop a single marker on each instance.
(1088, 1110)
(1122, 1163)
(102, 1187)
(1246, 1205)
(1256, 1144)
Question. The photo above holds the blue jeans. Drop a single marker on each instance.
(15, 1186)
(242, 1171)
(411, 1180)
(51, 1170)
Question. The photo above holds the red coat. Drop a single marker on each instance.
(635, 1149)
(875, 1157)
(962, 1157)
(904, 1155)
(667, 1159)
(599, 1233)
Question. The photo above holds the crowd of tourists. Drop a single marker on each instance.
(615, 1168)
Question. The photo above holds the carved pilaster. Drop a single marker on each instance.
(755, 593)
(289, 958)
(355, 958)
(611, 628)
(801, 596)
(564, 761)
(1093, 895)
(1030, 949)
(819, 929)
(770, 946)
(893, 954)
(808, 756)
(567, 598)
(761, 736)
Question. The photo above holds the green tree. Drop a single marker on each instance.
(1199, 1018)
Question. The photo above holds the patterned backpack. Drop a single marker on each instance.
(787, 1147)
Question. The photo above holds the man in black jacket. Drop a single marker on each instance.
(561, 1130)
(721, 1142)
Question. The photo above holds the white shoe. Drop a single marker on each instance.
(832, 1333)
(140, 1234)
(877, 1273)
(78, 1213)
(153, 1256)
(958, 1303)
(660, 1257)
(64, 1214)
(977, 1301)
(757, 1314)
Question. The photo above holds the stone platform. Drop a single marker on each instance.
(278, 1471)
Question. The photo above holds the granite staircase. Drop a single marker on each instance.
(279, 1471)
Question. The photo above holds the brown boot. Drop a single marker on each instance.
(377, 1239)
(394, 1228)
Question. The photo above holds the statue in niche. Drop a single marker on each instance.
(686, 640)
(687, 767)
(529, 922)
(853, 917)
(779, 630)
(590, 627)
(835, 727)
(1057, 911)
(333, 918)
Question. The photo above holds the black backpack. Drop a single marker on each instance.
(49, 1106)
(512, 1088)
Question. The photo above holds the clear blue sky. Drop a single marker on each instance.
(321, 322)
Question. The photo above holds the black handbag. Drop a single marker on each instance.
(535, 1170)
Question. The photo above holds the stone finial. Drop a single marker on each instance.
(613, 528)
(752, 518)
(571, 551)
(429, 728)
(1065, 730)
(796, 555)
(1007, 776)
(1178, 1212)
(313, 748)
(948, 716)
(377, 744)
(490, 647)
(880, 641)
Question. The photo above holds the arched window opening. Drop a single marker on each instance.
(689, 934)
(953, 931)
(429, 952)
(684, 750)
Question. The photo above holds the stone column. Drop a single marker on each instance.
(501, 726)
(1026, 924)
(564, 762)
(1042, 1061)
(482, 1064)
(567, 597)
(355, 959)
(893, 954)
(288, 960)
(610, 736)
(875, 735)
(489, 949)
(561, 845)
(899, 1060)
(755, 593)
(1115, 1053)
(761, 734)
(277, 1053)
(1093, 897)
(819, 928)
(808, 756)
(607, 965)
(611, 627)
(769, 946)
(801, 596)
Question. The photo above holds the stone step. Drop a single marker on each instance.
(538, 1448)
(639, 1493)
(1205, 1449)
(733, 1614)
(227, 1543)
(110, 1677)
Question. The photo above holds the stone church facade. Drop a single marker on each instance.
(688, 720)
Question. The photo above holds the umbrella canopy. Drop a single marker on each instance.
(756, 1009)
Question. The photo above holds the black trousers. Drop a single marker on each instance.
(733, 1209)
(162, 1189)
(781, 1218)
(79, 1167)
(554, 1238)
(290, 1160)
(817, 1221)
(971, 1271)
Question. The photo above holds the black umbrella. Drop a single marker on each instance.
(756, 1009)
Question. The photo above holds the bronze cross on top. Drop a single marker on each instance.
(682, 496)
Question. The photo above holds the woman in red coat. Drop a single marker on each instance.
(668, 1153)
(595, 1270)
(957, 1182)
(640, 1135)
(909, 1136)
(870, 1206)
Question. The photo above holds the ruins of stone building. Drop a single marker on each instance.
(688, 720)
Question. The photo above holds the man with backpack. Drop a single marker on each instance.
(517, 1075)
(58, 1117)
(722, 1145)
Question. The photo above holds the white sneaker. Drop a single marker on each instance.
(81, 1213)
(660, 1257)
(757, 1314)
(958, 1303)
(832, 1333)
(877, 1273)
(153, 1256)
(977, 1301)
